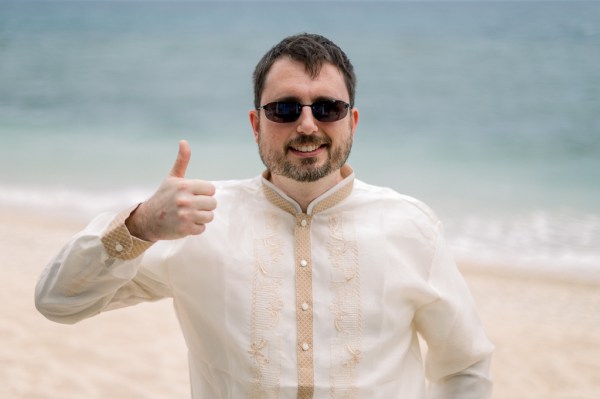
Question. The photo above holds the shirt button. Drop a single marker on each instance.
(303, 263)
(305, 306)
(118, 247)
(303, 223)
(305, 346)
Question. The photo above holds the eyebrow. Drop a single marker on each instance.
(297, 100)
(288, 99)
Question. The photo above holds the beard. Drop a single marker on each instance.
(306, 169)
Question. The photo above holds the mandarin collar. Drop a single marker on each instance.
(329, 198)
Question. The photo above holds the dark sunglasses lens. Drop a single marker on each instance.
(329, 111)
(288, 111)
(282, 111)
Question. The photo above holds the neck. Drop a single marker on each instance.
(305, 192)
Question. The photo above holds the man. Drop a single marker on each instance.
(304, 282)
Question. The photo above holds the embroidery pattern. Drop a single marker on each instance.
(346, 309)
(267, 303)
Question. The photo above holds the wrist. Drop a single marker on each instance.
(135, 225)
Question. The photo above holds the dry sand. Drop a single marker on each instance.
(546, 332)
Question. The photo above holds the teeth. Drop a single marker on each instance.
(306, 148)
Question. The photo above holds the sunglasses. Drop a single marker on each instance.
(289, 111)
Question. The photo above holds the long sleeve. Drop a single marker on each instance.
(459, 353)
(471, 383)
(97, 270)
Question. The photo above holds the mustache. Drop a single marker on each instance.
(309, 140)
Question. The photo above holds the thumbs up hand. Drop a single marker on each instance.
(180, 207)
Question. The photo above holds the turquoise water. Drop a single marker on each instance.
(487, 111)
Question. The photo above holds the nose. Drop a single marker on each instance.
(306, 121)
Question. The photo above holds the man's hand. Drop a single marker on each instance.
(180, 207)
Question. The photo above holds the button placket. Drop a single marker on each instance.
(304, 314)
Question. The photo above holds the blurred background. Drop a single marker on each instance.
(487, 111)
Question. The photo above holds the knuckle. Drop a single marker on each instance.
(208, 203)
(182, 185)
(197, 229)
(211, 188)
(208, 216)
(183, 215)
(182, 201)
(206, 187)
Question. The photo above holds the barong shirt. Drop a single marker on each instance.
(277, 303)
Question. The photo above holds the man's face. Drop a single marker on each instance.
(304, 150)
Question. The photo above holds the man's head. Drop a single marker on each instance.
(304, 122)
(310, 50)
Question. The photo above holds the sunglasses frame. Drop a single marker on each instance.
(298, 107)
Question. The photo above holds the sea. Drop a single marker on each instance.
(487, 111)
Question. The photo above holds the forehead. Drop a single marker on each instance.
(288, 78)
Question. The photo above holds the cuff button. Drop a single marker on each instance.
(118, 247)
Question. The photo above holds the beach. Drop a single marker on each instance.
(546, 331)
(487, 111)
(133, 353)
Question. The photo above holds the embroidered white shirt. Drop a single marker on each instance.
(274, 303)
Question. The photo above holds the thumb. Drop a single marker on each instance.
(182, 161)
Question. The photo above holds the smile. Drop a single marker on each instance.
(306, 148)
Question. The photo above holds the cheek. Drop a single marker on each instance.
(271, 137)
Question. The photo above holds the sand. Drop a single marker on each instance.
(546, 331)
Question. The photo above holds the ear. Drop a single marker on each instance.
(353, 119)
(255, 122)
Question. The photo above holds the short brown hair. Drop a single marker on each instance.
(312, 51)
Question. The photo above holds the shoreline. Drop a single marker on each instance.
(545, 329)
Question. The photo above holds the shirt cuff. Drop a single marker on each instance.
(118, 241)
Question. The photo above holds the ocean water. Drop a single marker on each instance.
(487, 111)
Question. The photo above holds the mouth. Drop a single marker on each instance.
(308, 146)
(307, 150)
